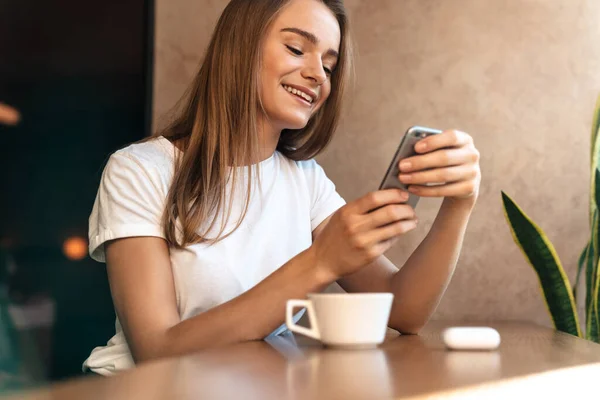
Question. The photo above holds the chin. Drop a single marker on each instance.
(295, 122)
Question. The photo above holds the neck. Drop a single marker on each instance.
(268, 137)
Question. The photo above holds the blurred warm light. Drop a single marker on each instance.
(75, 248)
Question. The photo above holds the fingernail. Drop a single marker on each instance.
(404, 165)
(405, 177)
(421, 146)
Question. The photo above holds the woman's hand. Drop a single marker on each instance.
(362, 230)
(449, 160)
(8, 115)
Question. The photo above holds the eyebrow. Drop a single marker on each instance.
(311, 38)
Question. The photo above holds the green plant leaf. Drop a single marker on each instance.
(595, 128)
(580, 263)
(594, 148)
(592, 325)
(540, 253)
(596, 172)
(594, 332)
(590, 280)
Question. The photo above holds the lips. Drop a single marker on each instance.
(302, 92)
(300, 99)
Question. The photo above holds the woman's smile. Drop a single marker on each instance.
(306, 96)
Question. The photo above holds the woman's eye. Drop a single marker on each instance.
(327, 70)
(294, 50)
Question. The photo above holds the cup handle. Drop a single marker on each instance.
(313, 332)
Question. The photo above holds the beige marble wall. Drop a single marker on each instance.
(520, 75)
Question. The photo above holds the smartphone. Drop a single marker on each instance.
(405, 149)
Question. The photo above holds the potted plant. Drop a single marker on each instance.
(559, 295)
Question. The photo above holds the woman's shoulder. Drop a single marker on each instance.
(153, 150)
(154, 154)
(151, 160)
(299, 165)
(309, 167)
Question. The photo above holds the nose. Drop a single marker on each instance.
(314, 71)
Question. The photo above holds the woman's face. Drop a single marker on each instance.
(300, 52)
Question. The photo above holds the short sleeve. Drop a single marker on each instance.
(325, 200)
(129, 203)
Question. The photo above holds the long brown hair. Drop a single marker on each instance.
(217, 126)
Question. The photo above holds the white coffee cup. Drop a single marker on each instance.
(351, 320)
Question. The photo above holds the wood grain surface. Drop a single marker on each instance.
(530, 358)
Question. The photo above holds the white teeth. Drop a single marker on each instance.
(298, 93)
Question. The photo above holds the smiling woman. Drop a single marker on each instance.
(288, 46)
(210, 226)
(179, 218)
(300, 62)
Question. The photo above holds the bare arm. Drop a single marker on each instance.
(143, 292)
(420, 284)
(142, 287)
(452, 161)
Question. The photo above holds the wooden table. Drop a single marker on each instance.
(532, 361)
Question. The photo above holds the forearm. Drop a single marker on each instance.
(250, 316)
(421, 282)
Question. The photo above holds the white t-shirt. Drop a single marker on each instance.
(293, 199)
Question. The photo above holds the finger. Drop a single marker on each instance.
(439, 159)
(384, 246)
(457, 189)
(389, 242)
(387, 215)
(440, 175)
(378, 199)
(449, 138)
(390, 231)
(8, 115)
